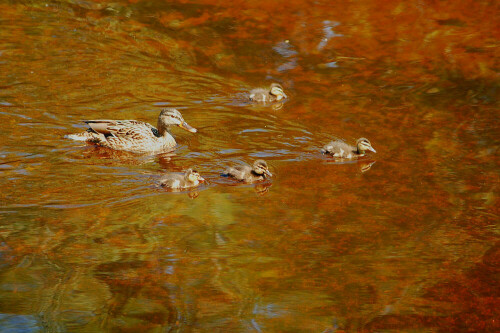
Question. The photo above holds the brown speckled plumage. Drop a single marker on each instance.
(133, 135)
(273, 94)
(340, 149)
(191, 178)
(249, 174)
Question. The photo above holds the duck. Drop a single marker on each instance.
(341, 149)
(190, 178)
(133, 135)
(249, 174)
(273, 94)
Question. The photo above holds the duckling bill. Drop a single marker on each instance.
(191, 178)
(340, 149)
(273, 94)
(249, 174)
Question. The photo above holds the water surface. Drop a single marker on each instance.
(402, 240)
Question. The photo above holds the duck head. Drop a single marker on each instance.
(171, 117)
(277, 90)
(364, 145)
(193, 176)
(260, 168)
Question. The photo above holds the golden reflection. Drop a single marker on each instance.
(193, 194)
(262, 188)
(95, 151)
(364, 166)
(166, 160)
(277, 106)
(324, 251)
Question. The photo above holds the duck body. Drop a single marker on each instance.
(249, 174)
(191, 178)
(273, 94)
(133, 135)
(340, 149)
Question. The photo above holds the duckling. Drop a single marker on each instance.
(274, 93)
(191, 178)
(341, 149)
(249, 174)
(133, 135)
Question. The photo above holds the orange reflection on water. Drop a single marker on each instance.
(403, 239)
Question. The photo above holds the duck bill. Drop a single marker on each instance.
(187, 127)
(281, 96)
(201, 179)
(267, 172)
(373, 150)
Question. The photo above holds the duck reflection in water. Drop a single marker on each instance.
(262, 188)
(277, 106)
(364, 166)
(115, 156)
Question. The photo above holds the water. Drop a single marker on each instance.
(402, 240)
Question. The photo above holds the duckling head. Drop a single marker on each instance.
(170, 117)
(364, 145)
(193, 176)
(260, 168)
(277, 90)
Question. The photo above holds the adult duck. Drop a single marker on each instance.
(133, 135)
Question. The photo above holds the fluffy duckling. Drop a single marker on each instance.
(274, 93)
(191, 178)
(341, 149)
(249, 174)
(133, 135)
